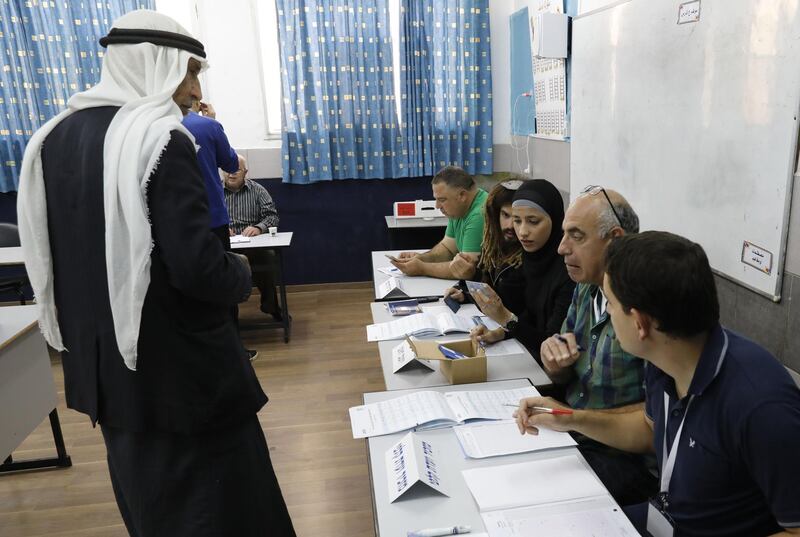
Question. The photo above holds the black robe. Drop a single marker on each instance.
(192, 374)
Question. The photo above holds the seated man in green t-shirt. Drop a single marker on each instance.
(460, 199)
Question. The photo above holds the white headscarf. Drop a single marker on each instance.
(141, 79)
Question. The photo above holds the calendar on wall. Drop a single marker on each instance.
(549, 82)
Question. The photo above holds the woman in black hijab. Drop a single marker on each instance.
(538, 212)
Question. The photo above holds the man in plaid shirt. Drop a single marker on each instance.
(252, 212)
(586, 359)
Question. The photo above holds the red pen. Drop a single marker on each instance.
(554, 411)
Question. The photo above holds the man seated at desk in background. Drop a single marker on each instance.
(586, 358)
(460, 199)
(252, 212)
(214, 152)
(722, 414)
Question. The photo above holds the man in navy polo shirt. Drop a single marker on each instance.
(722, 413)
(215, 152)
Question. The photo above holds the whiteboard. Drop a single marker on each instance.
(696, 124)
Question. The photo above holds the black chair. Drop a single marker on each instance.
(9, 237)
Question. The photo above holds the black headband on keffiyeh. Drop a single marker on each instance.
(131, 36)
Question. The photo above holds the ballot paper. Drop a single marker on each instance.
(495, 438)
(597, 517)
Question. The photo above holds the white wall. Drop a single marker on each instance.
(499, 12)
(232, 83)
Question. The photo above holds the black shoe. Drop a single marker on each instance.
(277, 315)
(252, 353)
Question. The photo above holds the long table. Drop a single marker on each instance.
(514, 366)
(413, 286)
(424, 508)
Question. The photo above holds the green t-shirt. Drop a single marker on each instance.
(468, 230)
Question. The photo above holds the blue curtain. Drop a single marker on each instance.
(446, 82)
(339, 111)
(49, 52)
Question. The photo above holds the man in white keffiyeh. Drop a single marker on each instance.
(137, 293)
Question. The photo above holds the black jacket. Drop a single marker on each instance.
(192, 373)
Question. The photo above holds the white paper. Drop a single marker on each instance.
(689, 12)
(399, 414)
(492, 439)
(411, 461)
(507, 347)
(532, 483)
(595, 517)
(236, 239)
(391, 271)
(488, 404)
(403, 356)
(391, 288)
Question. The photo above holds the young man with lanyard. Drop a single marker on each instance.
(722, 414)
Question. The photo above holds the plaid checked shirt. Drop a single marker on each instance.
(251, 206)
(605, 376)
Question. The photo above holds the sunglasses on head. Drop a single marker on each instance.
(595, 189)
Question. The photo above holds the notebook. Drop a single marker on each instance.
(423, 324)
(429, 409)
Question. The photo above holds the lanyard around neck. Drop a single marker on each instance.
(668, 461)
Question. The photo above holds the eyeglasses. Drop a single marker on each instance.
(594, 189)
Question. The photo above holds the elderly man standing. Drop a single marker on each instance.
(586, 358)
(252, 213)
(136, 292)
(460, 199)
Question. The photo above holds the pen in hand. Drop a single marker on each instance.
(563, 340)
(545, 410)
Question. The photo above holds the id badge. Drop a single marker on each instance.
(657, 523)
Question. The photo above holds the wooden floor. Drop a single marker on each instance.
(311, 382)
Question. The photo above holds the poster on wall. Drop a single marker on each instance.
(549, 81)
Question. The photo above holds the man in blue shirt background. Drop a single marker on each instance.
(215, 152)
(722, 414)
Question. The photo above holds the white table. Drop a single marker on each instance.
(27, 390)
(276, 243)
(398, 223)
(413, 286)
(425, 508)
(515, 366)
(10, 256)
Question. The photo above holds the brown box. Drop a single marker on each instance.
(460, 371)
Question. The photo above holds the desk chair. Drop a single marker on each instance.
(9, 237)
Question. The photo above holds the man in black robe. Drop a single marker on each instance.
(136, 292)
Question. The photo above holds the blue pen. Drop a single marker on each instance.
(450, 353)
(562, 339)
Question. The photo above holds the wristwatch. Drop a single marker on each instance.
(511, 324)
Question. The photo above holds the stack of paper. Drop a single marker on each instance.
(532, 483)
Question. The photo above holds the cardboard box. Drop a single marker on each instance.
(460, 371)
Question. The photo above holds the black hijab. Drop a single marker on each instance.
(547, 198)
